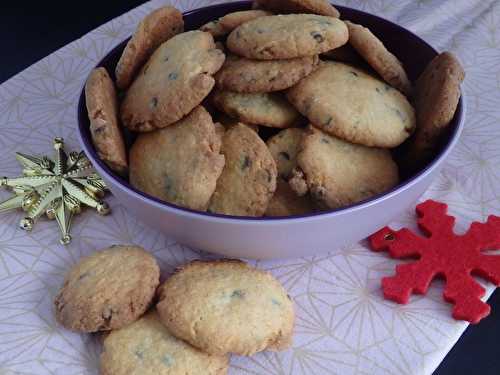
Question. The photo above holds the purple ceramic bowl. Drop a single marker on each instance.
(264, 238)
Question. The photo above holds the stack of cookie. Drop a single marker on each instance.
(203, 312)
(281, 110)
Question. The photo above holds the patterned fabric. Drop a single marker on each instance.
(343, 324)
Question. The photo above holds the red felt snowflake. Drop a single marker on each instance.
(444, 254)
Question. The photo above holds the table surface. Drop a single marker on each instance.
(30, 33)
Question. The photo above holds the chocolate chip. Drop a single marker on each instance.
(238, 293)
(354, 73)
(165, 59)
(246, 162)
(99, 130)
(154, 102)
(318, 37)
(328, 121)
(260, 31)
(84, 275)
(378, 90)
(324, 140)
(173, 76)
(169, 183)
(139, 353)
(284, 155)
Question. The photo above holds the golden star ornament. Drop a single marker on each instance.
(56, 187)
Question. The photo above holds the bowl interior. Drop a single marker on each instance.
(413, 52)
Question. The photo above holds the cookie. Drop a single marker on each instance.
(179, 164)
(102, 107)
(226, 24)
(436, 98)
(287, 36)
(266, 109)
(147, 347)
(239, 74)
(349, 103)
(176, 79)
(248, 180)
(108, 289)
(227, 307)
(379, 58)
(284, 148)
(322, 7)
(158, 27)
(338, 173)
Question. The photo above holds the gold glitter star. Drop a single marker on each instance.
(57, 188)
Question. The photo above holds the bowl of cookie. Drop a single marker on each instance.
(272, 129)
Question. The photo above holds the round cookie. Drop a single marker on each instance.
(226, 24)
(287, 36)
(349, 103)
(158, 26)
(227, 307)
(339, 173)
(179, 164)
(284, 148)
(436, 99)
(248, 179)
(322, 7)
(108, 289)
(267, 109)
(379, 58)
(102, 108)
(250, 76)
(146, 347)
(176, 79)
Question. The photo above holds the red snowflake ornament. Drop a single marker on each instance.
(444, 254)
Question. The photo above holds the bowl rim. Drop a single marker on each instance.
(106, 172)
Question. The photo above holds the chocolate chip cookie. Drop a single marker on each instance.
(177, 77)
(227, 307)
(179, 164)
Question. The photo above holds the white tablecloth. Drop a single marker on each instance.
(343, 324)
